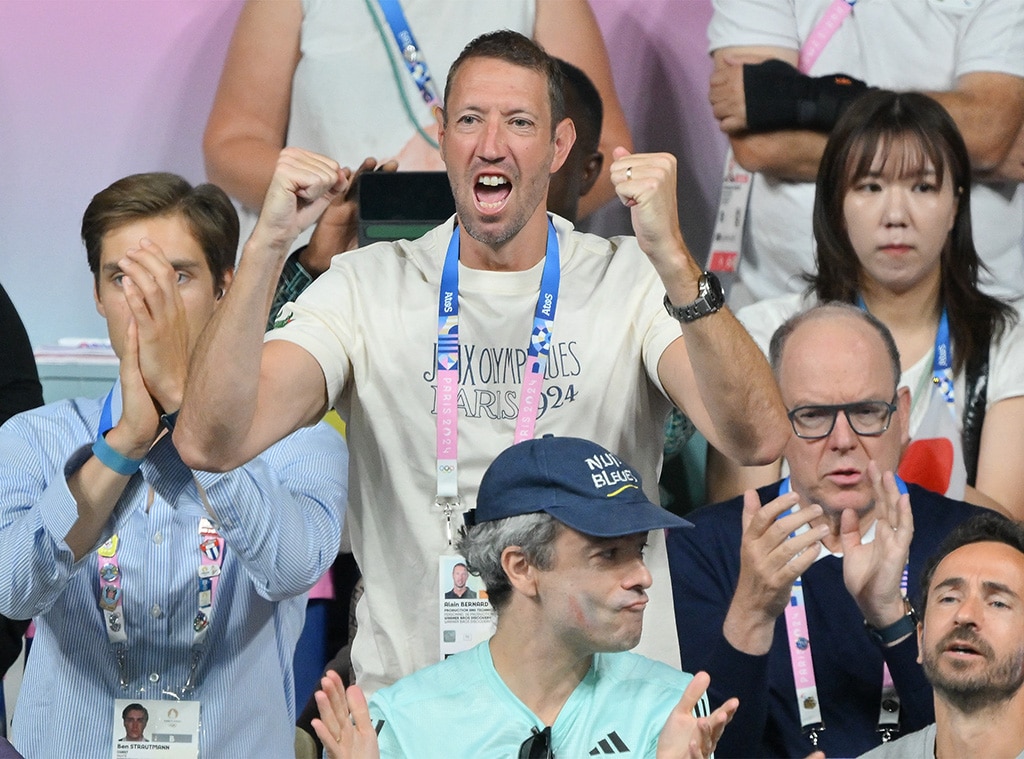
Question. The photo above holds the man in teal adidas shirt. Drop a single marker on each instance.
(558, 539)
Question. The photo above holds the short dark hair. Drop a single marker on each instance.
(823, 311)
(136, 707)
(985, 527)
(583, 105)
(909, 129)
(519, 50)
(206, 209)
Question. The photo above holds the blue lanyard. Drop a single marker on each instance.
(543, 318)
(107, 414)
(410, 51)
(942, 363)
(942, 358)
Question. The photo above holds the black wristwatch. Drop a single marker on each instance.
(902, 627)
(710, 298)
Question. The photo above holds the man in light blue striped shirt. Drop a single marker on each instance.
(149, 581)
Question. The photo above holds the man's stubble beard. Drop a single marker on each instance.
(970, 693)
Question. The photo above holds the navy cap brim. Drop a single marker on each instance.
(640, 516)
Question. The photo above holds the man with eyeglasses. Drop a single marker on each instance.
(793, 597)
(558, 537)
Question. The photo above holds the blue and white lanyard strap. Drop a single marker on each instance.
(111, 596)
(111, 601)
(942, 363)
(448, 366)
(107, 413)
(211, 558)
(942, 359)
(799, 640)
(410, 51)
(822, 33)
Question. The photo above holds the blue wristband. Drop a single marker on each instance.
(114, 460)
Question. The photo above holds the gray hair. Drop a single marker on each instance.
(832, 310)
(483, 544)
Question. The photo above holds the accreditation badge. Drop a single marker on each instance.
(149, 727)
(727, 241)
(466, 615)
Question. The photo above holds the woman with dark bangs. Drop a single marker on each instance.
(892, 223)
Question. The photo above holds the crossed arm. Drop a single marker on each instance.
(988, 108)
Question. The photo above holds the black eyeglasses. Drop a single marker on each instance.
(866, 418)
(538, 745)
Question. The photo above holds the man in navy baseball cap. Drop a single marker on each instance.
(578, 482)
(558, 538)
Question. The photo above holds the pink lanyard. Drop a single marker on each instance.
(823, 32)
(807, 702)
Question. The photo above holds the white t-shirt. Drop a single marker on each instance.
(371, 322)
(897, 44)
(345, 101)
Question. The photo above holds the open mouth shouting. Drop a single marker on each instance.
(491, 192)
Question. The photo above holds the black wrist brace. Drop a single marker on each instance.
(780, 97)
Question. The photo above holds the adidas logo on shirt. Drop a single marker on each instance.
(612, 744)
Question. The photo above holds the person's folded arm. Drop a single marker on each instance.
(988, 108)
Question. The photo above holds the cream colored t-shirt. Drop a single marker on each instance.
(371, 323)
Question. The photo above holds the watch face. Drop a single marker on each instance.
(716, 294)
(710, 298)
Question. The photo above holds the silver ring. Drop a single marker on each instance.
(629, 173)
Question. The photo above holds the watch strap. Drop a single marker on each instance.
(169, 420)
(902, 627)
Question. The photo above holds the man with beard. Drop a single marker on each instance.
(500, 325)
(971, 643)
